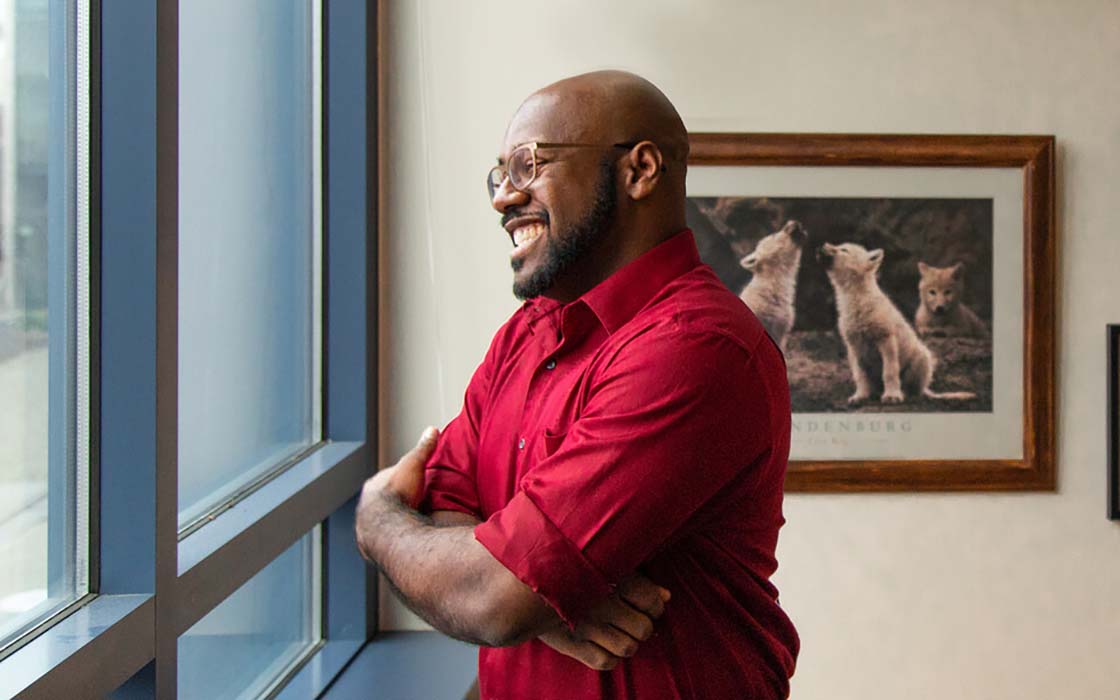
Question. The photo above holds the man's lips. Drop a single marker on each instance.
(514, 219)
(524, 229)
(526, 234)
(525, 239)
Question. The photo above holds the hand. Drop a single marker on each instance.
(405, 479)
(614, 628)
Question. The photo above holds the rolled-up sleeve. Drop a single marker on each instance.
(668, 424)
(546, 560)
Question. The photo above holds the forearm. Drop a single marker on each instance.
(445, 576)
(453, 518)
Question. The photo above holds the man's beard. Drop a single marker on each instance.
(571, 245)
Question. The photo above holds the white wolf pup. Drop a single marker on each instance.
(940, 310)
(770, 293)
(880, 343)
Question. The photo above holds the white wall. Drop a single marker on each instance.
(969, 596)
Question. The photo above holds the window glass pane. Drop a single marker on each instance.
(43, 532)
(247, 643)
(248, 243)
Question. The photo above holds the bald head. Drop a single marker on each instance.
(611, 106)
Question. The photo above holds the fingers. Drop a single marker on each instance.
(613, 640)
(628, 620)
(596, 657)
(645, 595)
(615, 627)
(588, 653)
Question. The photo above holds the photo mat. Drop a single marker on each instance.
(1112, 332)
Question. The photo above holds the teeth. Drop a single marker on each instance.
(527, 234)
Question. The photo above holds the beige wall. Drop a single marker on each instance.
(896, 596)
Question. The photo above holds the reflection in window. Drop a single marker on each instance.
(43, 331)
(248, 243)
(245, 646)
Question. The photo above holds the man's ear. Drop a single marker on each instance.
(644, 165)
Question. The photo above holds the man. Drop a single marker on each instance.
(629, 425)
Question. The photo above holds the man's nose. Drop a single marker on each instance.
(505, 196)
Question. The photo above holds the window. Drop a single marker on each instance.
(44, 339)
(188, 420)
(243, 647)
(249, 313)
(249, 244)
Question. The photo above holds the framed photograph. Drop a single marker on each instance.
(1113, 413)
(910, 283)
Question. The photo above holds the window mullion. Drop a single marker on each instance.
(167, 344)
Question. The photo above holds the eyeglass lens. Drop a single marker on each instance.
(521, 169)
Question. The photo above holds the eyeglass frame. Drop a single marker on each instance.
(492, 188)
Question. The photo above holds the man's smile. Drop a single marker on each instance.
(524, 238)
(513, 223)
(523, 232)
(526, 234)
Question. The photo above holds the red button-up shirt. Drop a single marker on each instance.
(643, 427)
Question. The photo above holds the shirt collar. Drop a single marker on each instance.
(618, 298)
(542, 310)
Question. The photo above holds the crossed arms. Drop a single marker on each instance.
(654, 443)
(455, 584)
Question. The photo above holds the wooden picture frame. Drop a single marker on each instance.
(786, 171)
(1112, 412)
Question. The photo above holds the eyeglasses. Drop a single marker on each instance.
(521, 168)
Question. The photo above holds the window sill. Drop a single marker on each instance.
(407, 665)
(63, 663)
(215, 560)
(317, 673)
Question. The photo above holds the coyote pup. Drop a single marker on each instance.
(940, 310)
(880, 343)
(770, 293)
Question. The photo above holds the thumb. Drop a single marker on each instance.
(407, 476)
(426, 446)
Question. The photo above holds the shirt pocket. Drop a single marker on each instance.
(552, 439)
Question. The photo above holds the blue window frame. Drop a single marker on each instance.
(120, 642)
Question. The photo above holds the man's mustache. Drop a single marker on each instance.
(512, 214)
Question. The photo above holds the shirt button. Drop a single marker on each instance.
(521, 444)
(551, 364)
